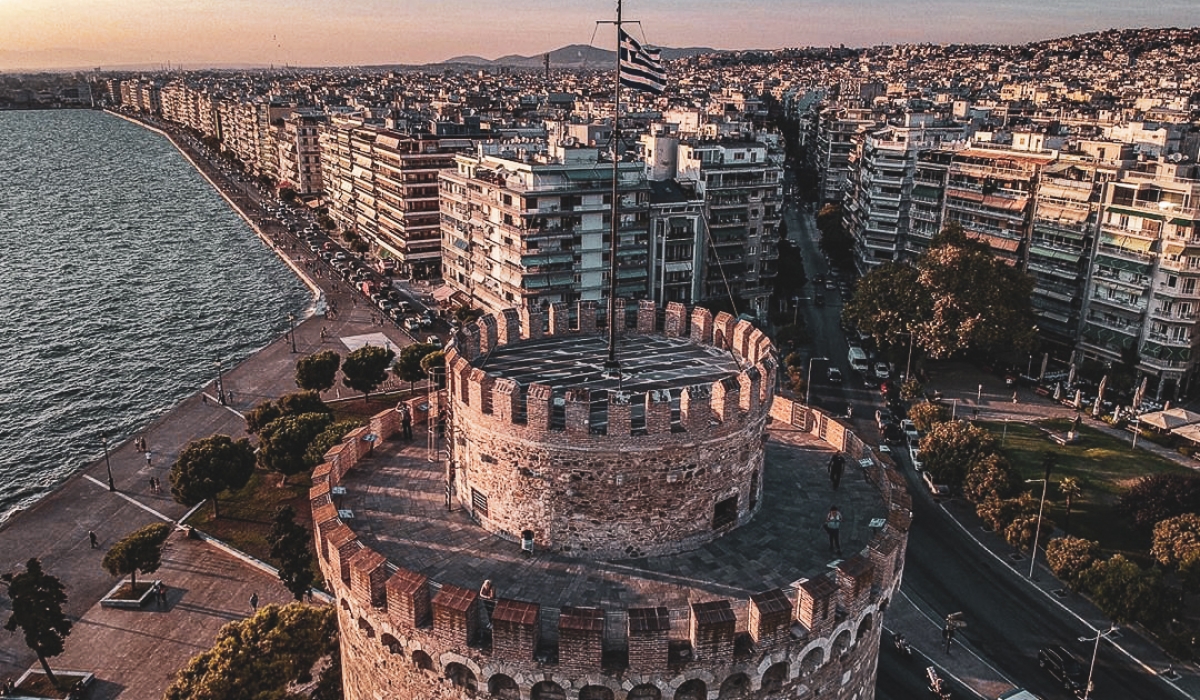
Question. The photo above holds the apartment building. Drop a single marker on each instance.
(1143, 292)
(677, 250)
(525, 225)
(299, 152)
(741, 183)
(839, 133)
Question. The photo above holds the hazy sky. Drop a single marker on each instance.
(107, 33)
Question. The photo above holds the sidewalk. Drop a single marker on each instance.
(209, 582)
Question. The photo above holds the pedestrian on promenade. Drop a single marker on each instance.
(204, 398)
(162, 595)
(153, 485)
(406, 423)
(1014, 398)
(837, 464)
(833, 527)
(229, 395)
(93, 540)
(254, 602)
(149, 457)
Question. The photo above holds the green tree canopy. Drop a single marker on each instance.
(927, 414)
(1176, 539)
(989, 477)
(1157, 497)
(289, 542)
(366, 368)
(408, 365)
(318, 371)
(949, 449)
(261, 656)
(209, 466)
(37, 599)
(284, 442)
(1070, 556)
(434, 361)
(958, 296)
(140, 550)
(292, 404)
(329, 437)
(1125, 593)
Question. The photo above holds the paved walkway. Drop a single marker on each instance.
(55, 529)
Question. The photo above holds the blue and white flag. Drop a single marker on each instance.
(641, 68)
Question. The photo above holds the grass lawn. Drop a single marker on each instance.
(1104, 465)
(246, 515)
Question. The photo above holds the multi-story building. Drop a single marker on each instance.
(677, 250)
(300, 152)
(879, 186)
(1143, 294)
(742, 186)
(839, 132)
(523, 226)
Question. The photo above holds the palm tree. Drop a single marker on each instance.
(1071, 489)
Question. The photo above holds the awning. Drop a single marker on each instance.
(1130, 243)
(442, 293)
(1137, 212)
(1125, 265)
(926, 191)
(964, 194)
(1188, 432)
(1007, 245)
(1172, 249)
(1062, 255)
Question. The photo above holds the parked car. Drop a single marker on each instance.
(1063, 666)
(910, 431)
(412, 325)
(882, 371)
(434, 340)
(914, 454)
(834, 375)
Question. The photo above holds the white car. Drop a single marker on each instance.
(915, 455)
(936, 489)
(882, 370)
(910, 432)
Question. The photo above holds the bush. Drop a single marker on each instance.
(1176, 539)
(949, 449)
(998, 513)
(990, 477)
(1160, 496)
(1070, 556)
(1125, 593)
(926, 414)
(1019, 533)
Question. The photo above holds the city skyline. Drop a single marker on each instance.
(39, 35)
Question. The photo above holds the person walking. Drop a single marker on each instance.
(149, 457)
(92, 538)
(837, 464)
(406, 423)
(254, 602)
(833, 528)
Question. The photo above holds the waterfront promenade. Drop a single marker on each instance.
(134, 653)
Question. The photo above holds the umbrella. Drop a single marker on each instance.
(1099, 396)
(1079, 398)
(1045, 361)
(1071, 375)
(1140, 394)
(1057, 391)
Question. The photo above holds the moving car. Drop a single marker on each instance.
(834, 375)
(882, 371)
(1063, 666)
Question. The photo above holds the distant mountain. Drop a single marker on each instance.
(573, 56)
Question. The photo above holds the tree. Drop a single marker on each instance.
(366, 368)
(408, 365)
(1161, 496)
(37, 599)
(999, 513)
(140, 550)
(329, 437)
(318, 371)
(289, 542)
(1125, 593)
(1019, 533)
(1176, 539)
(927, 414)
(435, 360)
(1071, 489)
(1070, 556)
(836, 241)
(293, 404)
(990, 477)
(261, 656)
(948, 449)
(888, 302)
(284, 442)
(209, 466)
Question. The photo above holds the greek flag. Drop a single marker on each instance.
(640, 66)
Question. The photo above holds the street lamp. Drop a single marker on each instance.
(808, 379)
(107, 463)
(220, 384)
(1037, 531)
(908, 366)
(1087, 691)
(292, 320)
(953, 409)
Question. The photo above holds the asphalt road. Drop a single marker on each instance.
(945, 570)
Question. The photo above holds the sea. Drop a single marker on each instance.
(124, 278)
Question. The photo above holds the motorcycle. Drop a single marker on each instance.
(902, 644)
(937, 686)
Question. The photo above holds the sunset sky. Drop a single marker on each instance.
(197, 33)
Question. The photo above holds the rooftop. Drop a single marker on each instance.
(399, 503)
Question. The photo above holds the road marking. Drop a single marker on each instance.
(131, 499)
(937, 624)
(1049, 596)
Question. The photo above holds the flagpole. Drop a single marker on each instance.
(613, 365)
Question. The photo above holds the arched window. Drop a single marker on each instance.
(422, 660)
(863, 627)
(645, 691)
(812, 661)
(692, 690)
(841, 644)
(461, 676)
(392, 644)
(547, 690)
(595, 692)
(735, 686)
(503, 687)
(775, 677)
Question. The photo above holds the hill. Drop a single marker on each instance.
(573, 56)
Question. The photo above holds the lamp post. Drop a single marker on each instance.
(292, 320)
(220, 384)
(1087, 690)
(1137, 428)
(953, 409)
(1037, 531)
(808, 379)
(908, 365)
(107, 463)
